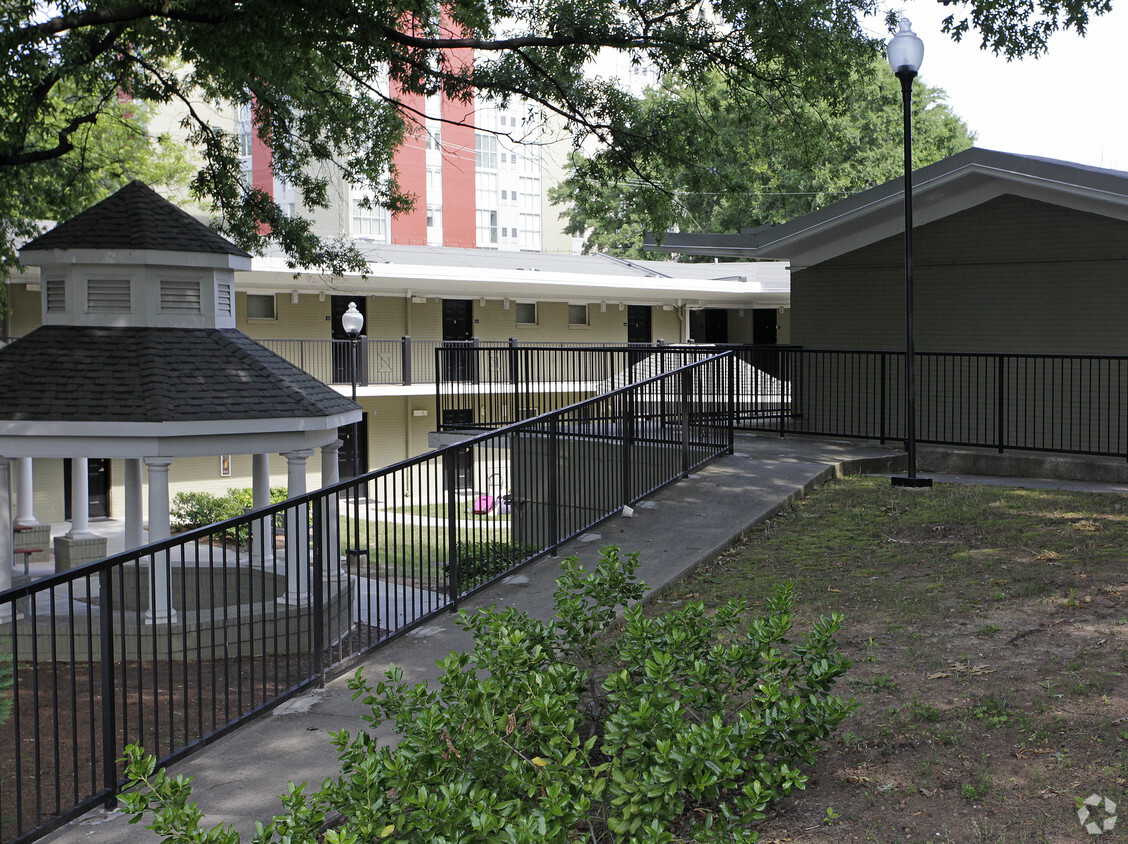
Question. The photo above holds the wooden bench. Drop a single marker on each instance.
(26, 552)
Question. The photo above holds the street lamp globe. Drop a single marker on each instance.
(905, 51)
(352, 321)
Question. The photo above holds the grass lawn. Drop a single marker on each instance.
(988, 628)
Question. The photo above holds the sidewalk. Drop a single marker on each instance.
(237, 779)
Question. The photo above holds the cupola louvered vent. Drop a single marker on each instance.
(56, 295)
(181, 297)
(223, 299)
(107, 296)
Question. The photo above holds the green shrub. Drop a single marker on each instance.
(191, 510)
(479, 561)
(675, 728)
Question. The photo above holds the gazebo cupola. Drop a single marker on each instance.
(135, 260)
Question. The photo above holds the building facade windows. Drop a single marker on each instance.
(525, 313)
(261, 306)
(577, 315)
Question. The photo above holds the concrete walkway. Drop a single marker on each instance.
(237, 779)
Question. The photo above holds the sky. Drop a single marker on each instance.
(1069, 104)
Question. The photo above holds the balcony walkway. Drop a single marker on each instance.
(237, 779)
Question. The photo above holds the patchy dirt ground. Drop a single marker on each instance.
(988, 630)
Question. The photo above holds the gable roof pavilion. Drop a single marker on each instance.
(138, 356)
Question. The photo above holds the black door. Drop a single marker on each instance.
(709, 325)
(764, 326)
(345, 455)
(342, 351)
(458, 329)
(99, 488)
(639, 329)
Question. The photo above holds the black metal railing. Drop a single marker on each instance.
(178, 642)
(1055, 403)
(486, 388)
(402, 362)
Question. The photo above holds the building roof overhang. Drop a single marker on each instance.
(940, 190)
(404, 272)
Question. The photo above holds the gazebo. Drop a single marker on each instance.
(138, 358)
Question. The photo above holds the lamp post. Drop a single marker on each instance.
(352, 321)
(905, 53)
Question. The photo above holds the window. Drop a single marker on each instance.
(526, 313)
(577, 315)
(485, 152)
(487, 227)
(369, 222)
(434, 225)
(261, 306)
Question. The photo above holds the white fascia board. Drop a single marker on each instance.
(140, 447)
(172, 430)
(135, 258)
(466, 282)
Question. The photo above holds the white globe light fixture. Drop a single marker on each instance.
(352, 321)
(905, 53)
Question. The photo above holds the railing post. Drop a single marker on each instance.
(454, 568)
(405, 358)
(1000, 400)
(476, 356)
(318, 621)
(731, 373)
(628, 446)
(785, 370)
(883, 409)
(686, 385)
(439, 387)
(109, 686)
(553, 484)
(514, 380)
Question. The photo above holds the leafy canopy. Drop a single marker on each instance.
(763, 161)
(330, 82)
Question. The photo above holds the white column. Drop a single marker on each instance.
(25, 487)
(330, 507)
(262, 544)
(159, 610)
(297, 531)
(6, 547)
(134, 510)
(80, 499)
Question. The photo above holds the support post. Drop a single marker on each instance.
(134, 507)
(297, 528)
(25, 487)
(160, 605)
(262, 530)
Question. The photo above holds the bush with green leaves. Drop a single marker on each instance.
(681, 727)
(191, 510)
(479, 561)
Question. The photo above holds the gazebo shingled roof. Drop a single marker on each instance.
(136, 217)
(82, 374)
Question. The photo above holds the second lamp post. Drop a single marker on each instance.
(905, 53)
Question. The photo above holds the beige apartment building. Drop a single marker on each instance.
(415, 298)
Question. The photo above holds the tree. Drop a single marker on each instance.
(106, 154)
(311, 70)
(754, 161)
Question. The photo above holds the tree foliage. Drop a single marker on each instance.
(331, 82)
(751, 159)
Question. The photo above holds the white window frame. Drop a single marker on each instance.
(525, 305)
(573, 313)
(262, 298)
